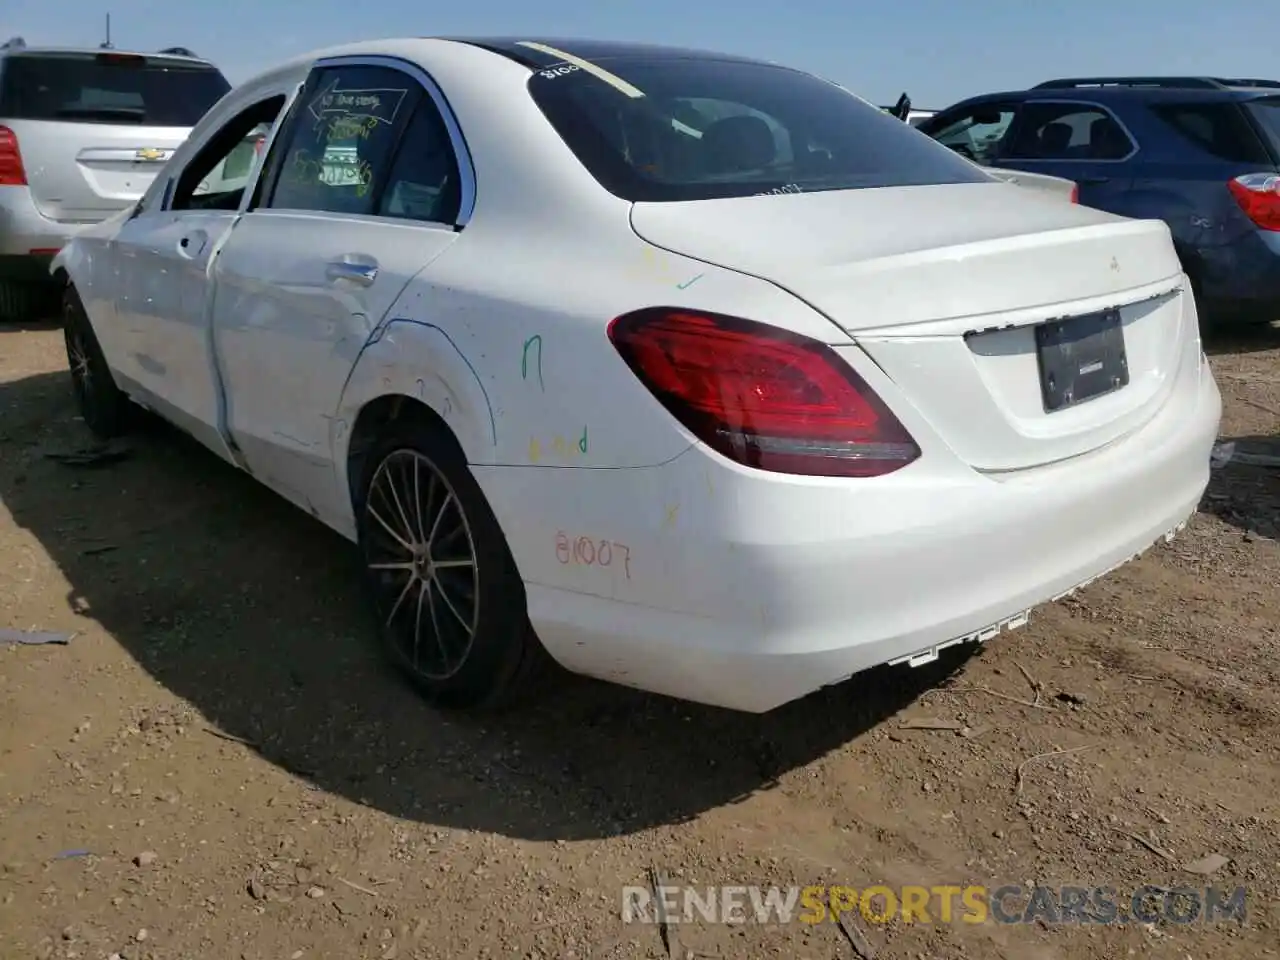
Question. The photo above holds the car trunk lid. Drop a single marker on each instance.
(946, 291)
(85, 173)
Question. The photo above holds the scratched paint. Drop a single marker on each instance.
(592, 552)
(493, 420)
(563, 448)
(657, 267)
(533, 343)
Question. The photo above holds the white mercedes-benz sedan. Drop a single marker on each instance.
(698, 374)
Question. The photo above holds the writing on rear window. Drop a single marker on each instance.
(554, 72)
(355, 107)
(779, 191)
(700, 128)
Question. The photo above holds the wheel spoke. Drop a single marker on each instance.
(405, 565)
(452, 609)
(447, 538)
(435, 526)
(418, 505)
(387, 527)
(452, 564)
(400, 599)
(390, 486)
(423, 591)
(431, 605)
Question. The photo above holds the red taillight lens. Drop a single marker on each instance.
(762, 396)
(1259, 197)
(1075, 193)
(12, 173)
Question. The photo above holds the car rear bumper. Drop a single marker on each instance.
(28, 239)
(728, 587)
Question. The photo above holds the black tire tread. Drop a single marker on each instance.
(106, 411)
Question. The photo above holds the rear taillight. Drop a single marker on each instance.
(12, 173)
(1075, 193)
(762, 396)
(1259, 197)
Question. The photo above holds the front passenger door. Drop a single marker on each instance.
(363, 188)
(161, 341)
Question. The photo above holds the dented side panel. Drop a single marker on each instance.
(288, 334)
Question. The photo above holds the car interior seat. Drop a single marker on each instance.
(737, 144)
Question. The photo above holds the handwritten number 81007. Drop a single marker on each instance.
(587, 552)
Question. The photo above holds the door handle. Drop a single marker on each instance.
(1092, 181)
(361, 273)
(191, 244)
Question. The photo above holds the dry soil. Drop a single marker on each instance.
(218, 765)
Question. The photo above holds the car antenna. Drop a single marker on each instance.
(106, 44)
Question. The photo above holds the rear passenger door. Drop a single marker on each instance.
(1080, 141)
(366, 183)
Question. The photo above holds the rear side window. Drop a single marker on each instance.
(108, 88)
(340, 146)
(1266, 113)
(1217, 128)
(976, 132)
(702, 128)
(1067, 131)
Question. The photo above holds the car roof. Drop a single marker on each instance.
(514, 48)
(510, 48)
(1135, 94)
(25, 51)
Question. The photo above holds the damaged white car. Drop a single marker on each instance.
(696, 373)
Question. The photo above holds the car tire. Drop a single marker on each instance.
(23, 302)
(448, 601)
(102, 405)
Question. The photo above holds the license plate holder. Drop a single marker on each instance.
(1081, 358)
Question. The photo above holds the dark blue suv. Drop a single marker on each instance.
(1202, 154)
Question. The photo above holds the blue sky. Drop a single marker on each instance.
(939, 51)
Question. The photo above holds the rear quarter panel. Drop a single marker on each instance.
(1179, 182)
(505, 335)
(518, 362)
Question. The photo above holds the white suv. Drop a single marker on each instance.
(82, 135)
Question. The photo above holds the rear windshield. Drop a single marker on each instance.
(108, 88)
(1267, 114)
(1216, 127)
(701, 128)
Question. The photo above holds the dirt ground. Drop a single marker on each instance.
(218, 765)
